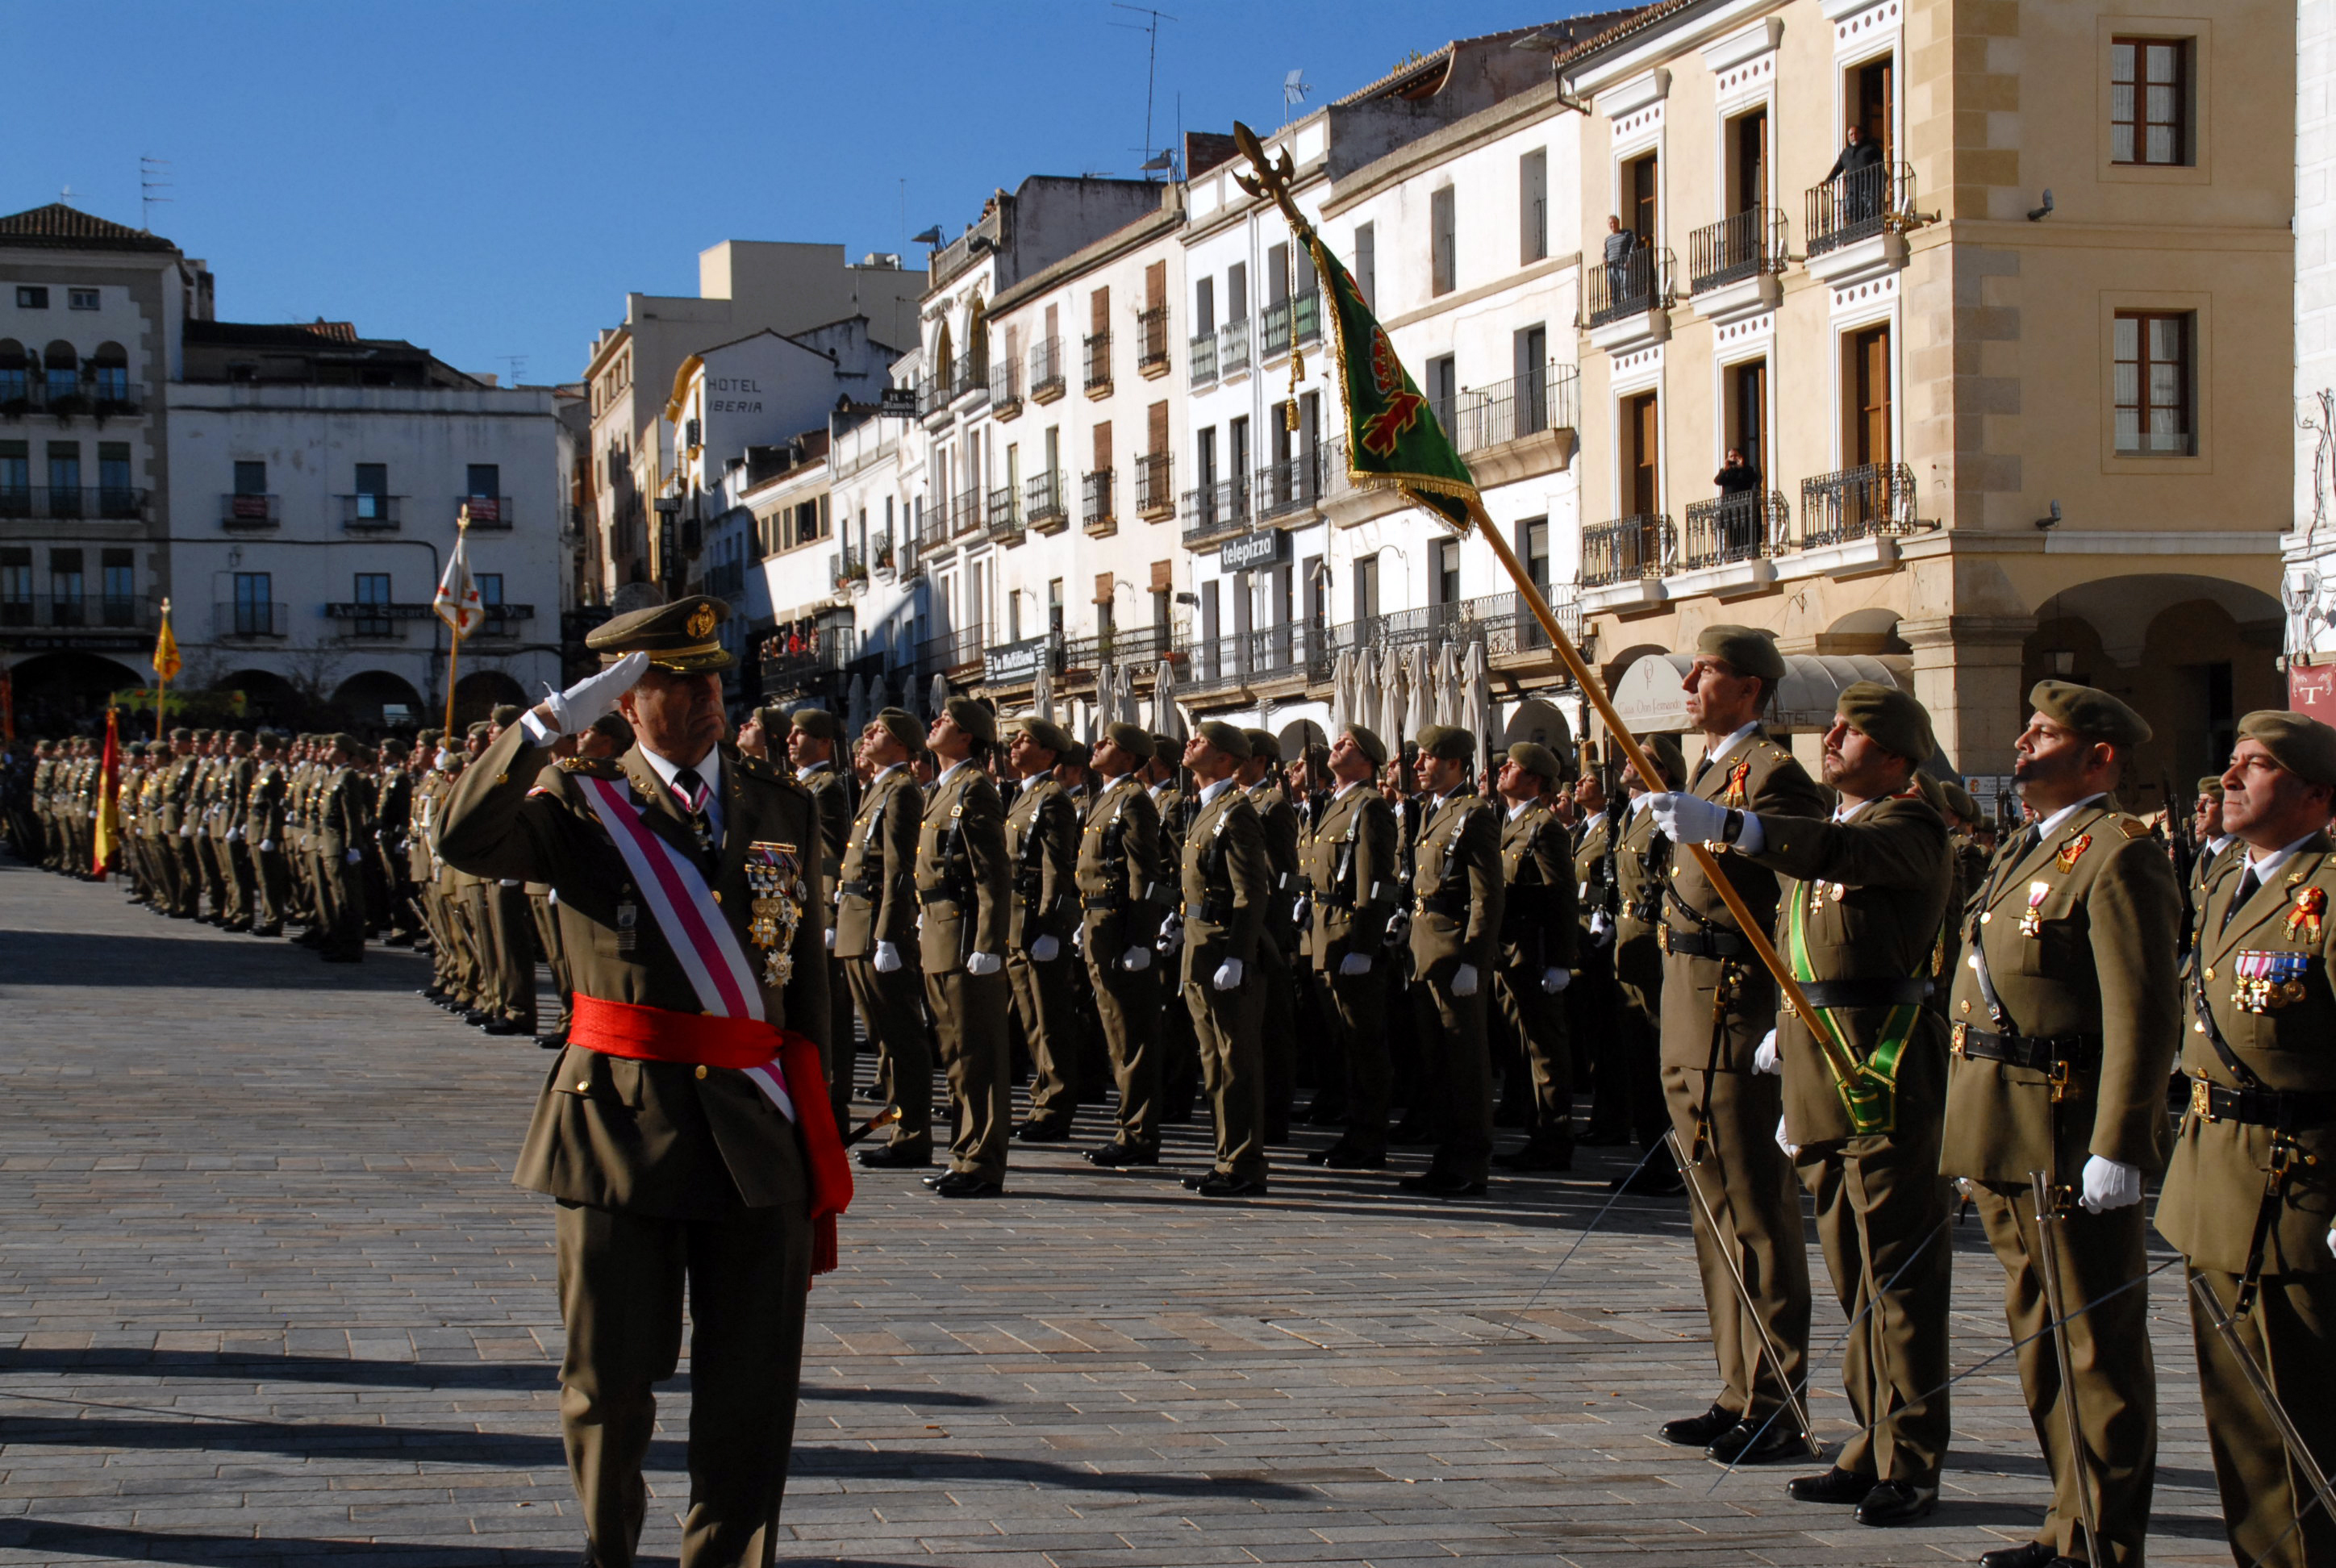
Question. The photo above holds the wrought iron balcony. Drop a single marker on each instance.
(1232, 348)
(1136, 647)
(965, 511)
(1306, 317)
(1858, 205)
(1274, 331)
(1289, 487)
(1098, 363)
(250, 621)
(1491, 415)
(1874, 500)
(487, 512)
(1202, 354)
(1005, 524)
(1747, 245)
(1212, 511)
(1152, 341)
(1097, 514)
(1156, 494)
(369, 513)
(249, 514)
(1732, 528)
(1628, 549)
(1046, 370)
(950, 650)
(105, 393)
(1634, 287)
(1042, 500)
(114, 502)
(78, 612)
(1006, 387)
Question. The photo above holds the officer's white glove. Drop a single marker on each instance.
(2110, 1184)
(1228, 975)
(888, 957)
(1601, 927)
(353, 856)
(594, 698)
(1355, 964)
(187, 831)
(1791, 1150)
(1136, 959)
(1554, 979)
(235, 835)
(1684, 818)
(2331, 1241)
(1302, 913)
(983, 963)
(1172, 936)
(831, 938)
(1046, 950)
(1765, 1058)
(268, 846)
(1464, 980)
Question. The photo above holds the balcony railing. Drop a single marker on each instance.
(1097, 514)
(1628, 549)
(1155, 494)
(1744, 245)
(965, 511)
(1499, 621)
(932, 396)
(105, 502)
(1274, 331)
(1213, 510)
(1859, 205)
(1290, 486)
(1136, 647)
(1723, 529)
(933, 528)
(950, 650)
(1491, 415)
(791, 661)
(1098, 361)
(1873, 499)
(1004, 515)
(971, 377)
(1202, 354)
(1006, 386)
(487, 512)
(1046, 370)
(66, 394)
(1306, 317)
(1151, 340)
(880, 550)
(1042, 500)
(79, 612)
(1232, 348)
(368, 513)
(253, 513)
(248, 622)
(1644, 282)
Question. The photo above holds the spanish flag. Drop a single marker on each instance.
(108, 836)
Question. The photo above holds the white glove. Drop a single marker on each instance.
(831, 938)
(1464, 980)
(1688, 819)
(983, 963)
(2331, 1241)
(1355, 964)
(1228, 975)
(1135, 959)
(1302, 914)
(594, 698)
(1791, 1150)
(1766, 1059)
(268, 846)
(1601, 927)
(1554, 979)
(234, 835)
(2110, 1184)
(888, 957)
(1172, 936)
(353, 856)
(187, 831)
(1046, 950)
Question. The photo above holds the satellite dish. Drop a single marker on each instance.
(1294, 89)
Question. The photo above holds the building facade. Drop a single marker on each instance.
(2310, 589)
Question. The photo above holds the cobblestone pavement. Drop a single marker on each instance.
(268, 1297)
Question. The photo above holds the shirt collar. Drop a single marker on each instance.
(2268, 866)
(803, 772)
(1112, 781)
(1519, 809)
(886, 771)
(1345, 789)
(709, 766)
(2051, 824)
(1732, 742)
(2217, 844)
(1211, 791)
(952, 769)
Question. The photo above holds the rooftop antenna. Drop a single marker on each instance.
(153, 175)
(1151, 29)
(1294, 89)
(515, 368)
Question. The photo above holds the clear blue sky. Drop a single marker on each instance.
(488, 178)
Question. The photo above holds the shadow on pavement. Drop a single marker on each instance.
(77, 958)
(282, 1552)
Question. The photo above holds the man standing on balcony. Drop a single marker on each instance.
(1861, 191)
(1739, 505)
(1622, 245)
(876, 936)
(1718, 1003)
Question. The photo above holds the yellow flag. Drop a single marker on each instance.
(166, 649)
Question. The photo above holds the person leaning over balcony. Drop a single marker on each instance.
(1861, 192)
(1622, 245)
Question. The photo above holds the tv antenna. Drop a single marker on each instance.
(1151, 29)
(1294, 89)
(516, 366)
(153, 175)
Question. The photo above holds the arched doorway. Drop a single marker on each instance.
(268, 697)
(1544, 725)
(59, 693)
(374, 700)
(478, 694)
(1297, 734)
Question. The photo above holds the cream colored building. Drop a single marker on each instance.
(2005, 435)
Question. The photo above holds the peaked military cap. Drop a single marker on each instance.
(677, 637)
(2297, 742)
(1747, 650)
(2089, 711)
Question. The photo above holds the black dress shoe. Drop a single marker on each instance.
(1437, 1184)
(1112, 1156)
(1216, 1184)
(504, 1026)
(1043, 1132)
(2035, 1555)
(1897, 1502)
(966, 1184)
(1700, 1431)
(1192, 1183)
(553, 1042)
(892, 1157)
(1413, 1130)
(475, 1019)
(1531, 1158)
(1836, 1485)
(1344, 1156)
(1761, 1442)
(1324, 1114)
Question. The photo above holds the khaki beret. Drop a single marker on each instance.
(902, 726)
(815, 722)
(1447, 743)
(1959, 799)
(1227, 738)
(1537, 759)
(1132, 738)
(2089, 711)
(2212, 784)
(392, 747)
(1075, 754)
(181, 732)
(478, 730)
(423, 737)
(1373, 749)
(616, 727)
(1667, 754)
(505, 715)
(1166, 747)
(677, 637)
(239, 736)
(1043, 732)
(1889, 717)
(975, 717)
(1264, 744)
(205, 734)
(2297, 742)
(1747, 650)
(341, 740)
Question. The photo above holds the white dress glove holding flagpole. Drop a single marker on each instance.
(1689, 819)
(594, 698)
(2110, 1184)
(888, 957)
(1765, 1058)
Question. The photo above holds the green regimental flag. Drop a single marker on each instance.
(1394, 440)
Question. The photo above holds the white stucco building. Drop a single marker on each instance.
(2310, 587)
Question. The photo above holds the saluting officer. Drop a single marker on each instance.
(1227, 883)
(965, 884)
(2064, 1018)
(1538, 933)
(876, 917)
(1352, 874)
(1042, 846)
(1718, 1003)
(1455, 926)
(2251, 1190)
(1121, 900)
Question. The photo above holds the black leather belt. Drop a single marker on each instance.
(2289, 1109)
(1878, 991)
(863, 889)
(1701, 944)
(1100, 901)
(938, 896)
(1451, 906)
(2037, 1053)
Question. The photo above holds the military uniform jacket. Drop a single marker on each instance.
(963, 878)
(429, 799)
(2203, 869)
(1117, 870)
(2079, 931)
(263, 805)
(834, 802)
(876, 902)
(178, 779)
(2268, 973)
(1760, 776)
(392, 812)
(1642, 864)
(1354, 873)
(1594, 868)
(1226, 880)
(1867, 898)
(344, 819)
(1457, 894)
(1279, 820)
(235, 789)
(1042, 844)
(659, 1138)
(1538, 912)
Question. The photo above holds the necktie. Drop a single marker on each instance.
(1701, 768)
(2248, 884)
(690, 788)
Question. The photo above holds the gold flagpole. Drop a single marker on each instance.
(161, 680)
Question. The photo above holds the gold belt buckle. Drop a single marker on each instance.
(1663, 937)
(1961, 1033)
(2202, 1100)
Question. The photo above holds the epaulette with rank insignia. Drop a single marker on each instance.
(2133, 827)
(596, 766)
